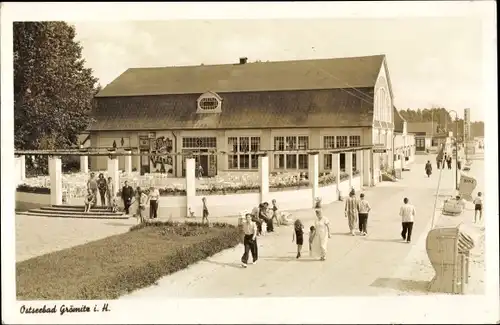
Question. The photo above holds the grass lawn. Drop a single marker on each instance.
(113, 266)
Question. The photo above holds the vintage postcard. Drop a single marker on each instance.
(249, 163)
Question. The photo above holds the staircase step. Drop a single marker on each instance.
(75, 207)
(77, 216)
(81, 209)
(72, 212)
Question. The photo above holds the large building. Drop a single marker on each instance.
(244, 107)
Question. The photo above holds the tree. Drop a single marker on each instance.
(53, 91)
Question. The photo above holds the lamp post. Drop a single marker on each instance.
(456, 148)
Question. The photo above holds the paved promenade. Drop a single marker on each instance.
(354, 266)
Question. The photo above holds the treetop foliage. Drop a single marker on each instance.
(53, 91)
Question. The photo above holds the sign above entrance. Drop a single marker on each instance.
(379, 148)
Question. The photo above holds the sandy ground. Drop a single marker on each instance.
(380, 264)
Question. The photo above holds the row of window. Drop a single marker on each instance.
(241, 149)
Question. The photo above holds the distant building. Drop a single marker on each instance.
(428, 136)
(245, 107)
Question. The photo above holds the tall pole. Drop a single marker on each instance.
(456, 153)
(456, 149)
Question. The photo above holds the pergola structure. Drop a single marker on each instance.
(364, 162)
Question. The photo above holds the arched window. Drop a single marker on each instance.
(209, 102)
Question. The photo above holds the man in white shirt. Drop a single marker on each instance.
(249, 240)
(407, 213)
(154, 196)
(363, 210)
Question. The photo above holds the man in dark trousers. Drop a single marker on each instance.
(127, 195)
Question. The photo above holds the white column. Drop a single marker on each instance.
(84, 164)
(264, 178)
(314, 176)
(137, 163)
(360, 166)
(348, 167)
(113, 172)
(190, 185)
(128, 162)
(17, 168)
(55, 174)
(22, 167)
(336, 168)
(367, 167)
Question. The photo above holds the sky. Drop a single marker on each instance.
(433, 61)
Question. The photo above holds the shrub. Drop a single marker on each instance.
(113, 266)
(33, 189)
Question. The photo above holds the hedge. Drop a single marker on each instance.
(113, 266)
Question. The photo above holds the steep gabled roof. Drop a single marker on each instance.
(355, 72)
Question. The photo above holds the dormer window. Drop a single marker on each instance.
(209, 102)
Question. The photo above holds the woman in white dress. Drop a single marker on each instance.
(321, 235)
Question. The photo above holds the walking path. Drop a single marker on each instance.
(354, 266)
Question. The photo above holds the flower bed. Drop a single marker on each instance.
(114, 266)
(75, 184)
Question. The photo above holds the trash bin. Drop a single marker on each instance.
(448, 251)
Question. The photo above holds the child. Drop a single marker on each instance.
(298, 236)
(114, 204)
(89, 201)
(312, 233)
(205, 210)
(478, 207)
(317, 205)
(275, 212)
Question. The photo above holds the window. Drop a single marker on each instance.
(291, 160)
(209, 103)
(242, 149)
(341, 141)
(354, 162)
(420, 143)
(328, 143)
(327, 161)
(201, 142)
(354, 141)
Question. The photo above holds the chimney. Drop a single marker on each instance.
(243, 60)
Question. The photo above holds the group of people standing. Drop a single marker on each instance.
(137, 201)
(106, 190)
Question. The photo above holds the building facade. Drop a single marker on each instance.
(235, 110)
(428, 137)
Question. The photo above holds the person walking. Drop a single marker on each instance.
(200, 171)
(321, 235)
(275, 213)
(249, 240)
(478, 208)
(298, 236)
(154, 197)
(407, 214)
(205, 211)
(110, 192)
(438, 162)
(363, 210)
(428, 168)
(127, 195)
(449, 161)
(102, 186)
(92, 186)
(351, 211)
